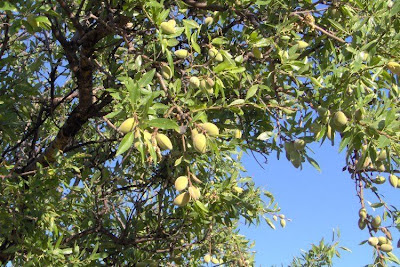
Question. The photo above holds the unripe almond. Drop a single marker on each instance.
(215, 260)
(379, 180)
(302, 44)
(386, 248)
(212, 52)
(283, 223)
(128, 125)
(373, 241)
(168, 27)
(382, 240)
(194, 192)
(359, 114)
(382, 155)
(194, 82)
(380, 166)
(208, 21)
(340, 119)
(238, 134)
(362, 213)
(146, 135)
(210, 82)
(394, 180)
(207, 258)
(210, 128)
(299, 144)
(361, 224)
(181, 53)
(200, 143)
(257, 53)
(219, 57)
(166, 72)
(182, 199)
(181, 183)
(376, 222)
(238, 189)
(394, 67)
(275, 218)
(163, 141)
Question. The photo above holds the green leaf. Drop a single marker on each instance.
(164, 124)
(7, 6)
(146, 78)
(236, 102)
(125, 144)
(270, 223)
(201, 206)
(252, 91)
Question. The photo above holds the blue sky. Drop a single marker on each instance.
(317, 203)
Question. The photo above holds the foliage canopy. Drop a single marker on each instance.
(104, 104)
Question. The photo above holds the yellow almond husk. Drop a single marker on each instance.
(207, 258)
(182, 199)
(210, 128)
(219, 57)
(373, 241)
(128, 125)
(238, 134)
(283, 223)
(194, 192)
(200, 143)
(163, 141)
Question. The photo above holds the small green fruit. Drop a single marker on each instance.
(210, 128)
(362, 213)
(257, 53)
(394, 180)
(166, 72)
(181, 183)
(302, 44)
(207, 258)
(380, 166)
(376, 222)
(200, 143)
(361, 224)
(208, 21)
(181, 53)
(299, 144)
(168, 27)
(238, 189)
(128, 125)
(383, 240)
(339, 119)
(359, 114)
(215, 260)
(394, 67)
(238, 134)
(379, 180)
(163, 142)
(373, 241)
(182, 199)
(275, 218)
(194, 192)
(386, 248)
(283, 223)
(382, 155)
(194, 82)
(212, 52)
(219, 57)
(210, 82)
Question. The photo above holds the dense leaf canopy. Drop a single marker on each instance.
(105, 104)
